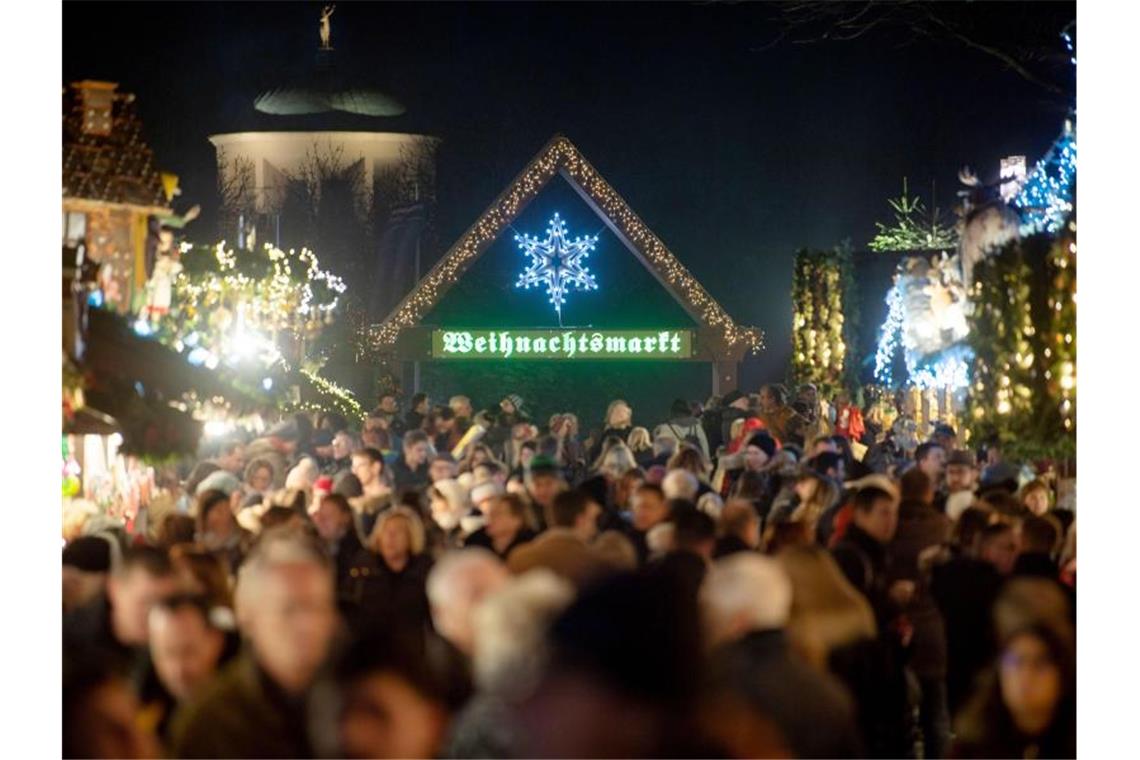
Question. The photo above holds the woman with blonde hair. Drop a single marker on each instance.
(476, 455)
(817, 494)
(392, 584)
(617, 424)
(641, 445)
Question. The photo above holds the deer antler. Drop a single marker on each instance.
(967, 177)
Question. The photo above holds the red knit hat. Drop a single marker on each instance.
(323, 485)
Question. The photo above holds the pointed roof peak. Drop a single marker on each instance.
(560, 156)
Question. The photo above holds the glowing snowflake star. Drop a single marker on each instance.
(557, 262)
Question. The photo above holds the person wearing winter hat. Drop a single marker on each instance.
(322, 446)
(278, 446)
(753, 456)
(482, 493)
(512, 403)
(448, 505)
(544, 481)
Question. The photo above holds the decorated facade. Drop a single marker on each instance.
(555, 268)
(112, 190)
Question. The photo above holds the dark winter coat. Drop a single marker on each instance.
(407, 479)
(382, 595)
(812, 710)
(727, 545)
(480, 538)
(1036, 565)
(866, 563)
(241, 713)
(872, 671)
(87, 629)
(964, 590)
(921, 527)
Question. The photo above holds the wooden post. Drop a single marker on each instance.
(725, 375)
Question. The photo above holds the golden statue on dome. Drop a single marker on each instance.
(326, 27)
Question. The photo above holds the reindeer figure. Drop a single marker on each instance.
(986, 223)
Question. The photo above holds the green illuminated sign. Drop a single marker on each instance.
(562, 344)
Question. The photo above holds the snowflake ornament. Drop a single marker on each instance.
(557, 263)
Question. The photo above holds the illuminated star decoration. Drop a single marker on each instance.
(557, 263)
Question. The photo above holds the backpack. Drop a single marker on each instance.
(690, 438)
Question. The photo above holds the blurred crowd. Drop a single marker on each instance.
(752, 577)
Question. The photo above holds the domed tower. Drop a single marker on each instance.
(321, 170)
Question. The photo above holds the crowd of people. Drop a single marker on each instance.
(751, 577)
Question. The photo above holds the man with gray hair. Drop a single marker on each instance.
(680, 484)
(286, 609)
(510, 628)
(455, 586)
(746, 601)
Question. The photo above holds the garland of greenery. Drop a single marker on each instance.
(1062, 304)
(823, 323)
(1019, 390)
(321, 395)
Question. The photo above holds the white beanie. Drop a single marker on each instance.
(486, 490)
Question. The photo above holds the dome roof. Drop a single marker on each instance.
(296, 100)
(324, 89)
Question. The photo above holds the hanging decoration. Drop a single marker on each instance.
(557, 263)
(1046, 198)
(914, 229)
(248, 307)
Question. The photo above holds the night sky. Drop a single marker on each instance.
(733, 155)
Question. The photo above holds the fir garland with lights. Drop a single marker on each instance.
(1061, 353)
(321, 395)
(821, 330)
(1024, 379)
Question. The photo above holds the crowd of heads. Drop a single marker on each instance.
(747, 577)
